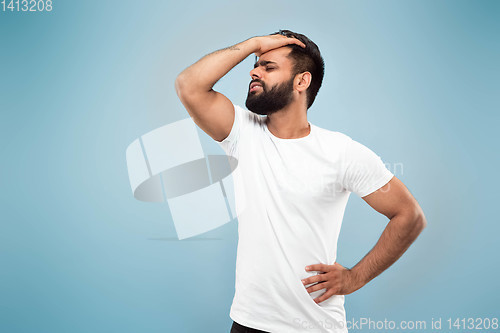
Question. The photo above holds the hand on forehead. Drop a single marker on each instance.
(279, 56)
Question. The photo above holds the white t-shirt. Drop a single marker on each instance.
(290, 198)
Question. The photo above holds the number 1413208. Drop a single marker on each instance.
(26, 5)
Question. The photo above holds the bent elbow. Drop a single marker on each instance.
(420, 222)
(180, 85)
(187, 89)
(414, 219)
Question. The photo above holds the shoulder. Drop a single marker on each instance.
(341, 139)
(336, 137)
(344, 144)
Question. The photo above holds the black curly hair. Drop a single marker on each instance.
(306, 59)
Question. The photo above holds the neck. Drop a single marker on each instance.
(289, 122)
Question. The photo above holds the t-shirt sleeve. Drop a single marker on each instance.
(241, 121)
(364, 171)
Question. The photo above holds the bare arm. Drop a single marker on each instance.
(407, 221)
(211, 110)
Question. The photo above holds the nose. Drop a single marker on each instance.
(255, 73)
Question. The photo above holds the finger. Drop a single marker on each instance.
(299, 43)
(316, 267)
(315, 278)
(310, 280)
(323, 297)
(316, 287)
(291, 40)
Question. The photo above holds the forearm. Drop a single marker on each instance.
(399, 234)
(202, 75)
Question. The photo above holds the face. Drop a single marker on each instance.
(271, 88)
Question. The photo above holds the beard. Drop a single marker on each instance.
(267, 102)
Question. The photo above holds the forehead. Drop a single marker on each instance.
(278, 56)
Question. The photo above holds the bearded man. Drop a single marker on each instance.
(294, 179)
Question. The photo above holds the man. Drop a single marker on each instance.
(295, 179)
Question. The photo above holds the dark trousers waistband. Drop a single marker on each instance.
(238, 328)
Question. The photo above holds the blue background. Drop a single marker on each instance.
(415, 81)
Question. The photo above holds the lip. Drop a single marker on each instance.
(255, 84)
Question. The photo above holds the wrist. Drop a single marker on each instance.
(252, 45)
(357, 278)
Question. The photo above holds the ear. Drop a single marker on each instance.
(303, 81)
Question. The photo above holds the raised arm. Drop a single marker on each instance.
(209, 109)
